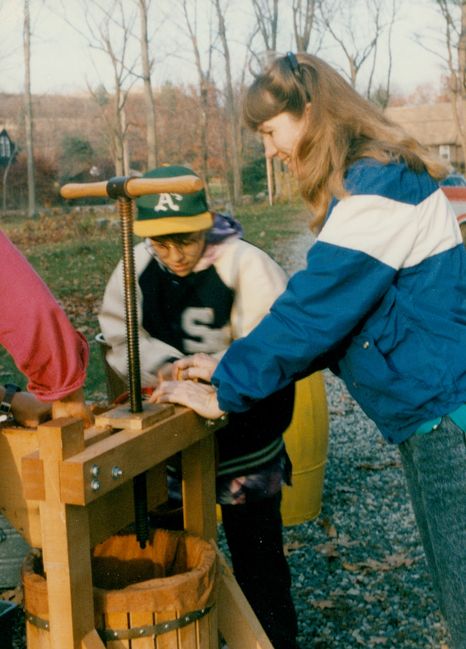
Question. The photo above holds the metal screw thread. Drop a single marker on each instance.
(141, 519)
(125, 209)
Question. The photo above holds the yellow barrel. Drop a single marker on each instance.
(306, 441)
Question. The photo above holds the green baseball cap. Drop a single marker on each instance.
(171, 213)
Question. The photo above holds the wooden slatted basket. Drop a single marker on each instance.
(159, 597)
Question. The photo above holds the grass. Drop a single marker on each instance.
(76, 252)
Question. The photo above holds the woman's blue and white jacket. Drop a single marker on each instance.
(382, 302)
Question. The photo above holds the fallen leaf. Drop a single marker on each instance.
(328, 549)
(368, 466)
(322, 603)
(288, 548)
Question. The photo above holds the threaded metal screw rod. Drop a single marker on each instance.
(125, 210)
(117, 186)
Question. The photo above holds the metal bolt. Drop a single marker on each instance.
(95, 470)
(95, 485)
(117, 472)
(210, 423)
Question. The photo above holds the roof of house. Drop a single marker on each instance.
(430, 124)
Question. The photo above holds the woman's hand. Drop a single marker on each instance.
(73, 405)
(202, 398)
(198, 366)
(28, 410)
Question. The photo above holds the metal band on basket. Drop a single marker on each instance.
(137, 631)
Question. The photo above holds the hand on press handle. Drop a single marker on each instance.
(201, 397)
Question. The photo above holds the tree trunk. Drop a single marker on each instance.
(151, 132)
(204, 84)
(231, 111)
(28, 112)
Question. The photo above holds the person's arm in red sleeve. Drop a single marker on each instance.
(40, 338)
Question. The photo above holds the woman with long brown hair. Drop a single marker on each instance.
(381, 302)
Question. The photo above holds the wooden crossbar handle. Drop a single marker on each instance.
(135, 187)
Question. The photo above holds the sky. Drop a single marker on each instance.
(63, 62)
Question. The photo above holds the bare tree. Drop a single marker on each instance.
(190, 14)
(28, 111)
(453, 13)
(391, 24)
(267, 20)
(110, 30)
(151, 132)
(267, 23)
(356, 44)
(231, 107)
(304, 15)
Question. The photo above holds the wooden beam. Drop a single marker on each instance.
(92, 641)
(131, 452)
(237, 621)
(65, 542)
(198, 487)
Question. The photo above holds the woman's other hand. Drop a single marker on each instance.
(202, 398)
(198, 366)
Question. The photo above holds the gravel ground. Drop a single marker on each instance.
(359, 575)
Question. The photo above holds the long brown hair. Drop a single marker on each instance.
(343, 127)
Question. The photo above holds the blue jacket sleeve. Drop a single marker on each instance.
(320, 307)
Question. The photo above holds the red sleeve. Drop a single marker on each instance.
(35, 330)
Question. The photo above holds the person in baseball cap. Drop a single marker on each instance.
(200, 287)
(171, 213)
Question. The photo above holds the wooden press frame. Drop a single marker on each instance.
(83, 480)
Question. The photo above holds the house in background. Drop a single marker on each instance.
(433, 126)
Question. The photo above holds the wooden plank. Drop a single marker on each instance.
(118, 622)
(138, 619)
(115, 510)
(91, 641)
(206, 631)
(32, 468)
(37, 638)
(188, 636)
(198, 486)
(199, 513)
(23, 516)
(167, 640)
(133, 452)
(95, 433)
(237, 622)
(65, 542)
(32, 473)
(122, 417)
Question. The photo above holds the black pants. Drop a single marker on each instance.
(254, 536)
